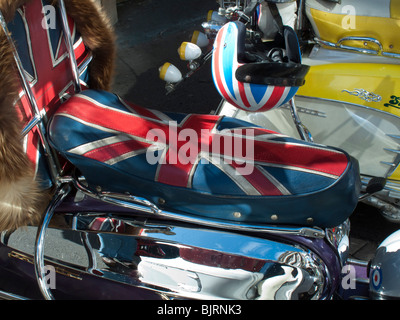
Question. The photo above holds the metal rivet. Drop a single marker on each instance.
(237, 214)
(310, 220)
(161, 201)
(274, 217)
(98, 189)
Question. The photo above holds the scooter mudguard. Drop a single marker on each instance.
(362, 100)
(120, 147)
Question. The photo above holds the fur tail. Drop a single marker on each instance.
(21, 200)
(20, 197)
(19, 203)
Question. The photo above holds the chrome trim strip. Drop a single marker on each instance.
(394, 136)
(147, 207)
(396, 162)
(11, 296)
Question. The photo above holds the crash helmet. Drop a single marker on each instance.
(384, 274)
(256, 78)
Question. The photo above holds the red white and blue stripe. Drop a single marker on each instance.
(246, 96)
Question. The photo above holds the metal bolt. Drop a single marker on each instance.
(161, 201)
(310, 220)
(237, 214)
(274, 217)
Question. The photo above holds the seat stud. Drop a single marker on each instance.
(237, 214)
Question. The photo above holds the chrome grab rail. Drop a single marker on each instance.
(70, 47)
(40, 273)
(340, 45)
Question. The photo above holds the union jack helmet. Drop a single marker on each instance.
(255, 84)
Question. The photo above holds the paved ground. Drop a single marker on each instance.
(149, 33)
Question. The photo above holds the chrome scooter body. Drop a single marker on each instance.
(160, 259)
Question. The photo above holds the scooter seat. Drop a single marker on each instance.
(205, 165)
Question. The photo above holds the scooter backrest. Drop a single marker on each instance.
(39, 38)
(36, 30)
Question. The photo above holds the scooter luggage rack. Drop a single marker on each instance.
(365, 40)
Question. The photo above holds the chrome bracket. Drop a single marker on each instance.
(303, 131)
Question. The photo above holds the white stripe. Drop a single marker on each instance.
(231, 172)
(87, 147)
(267, 95)
(284, 96)
(125, 156)
(288, 167)
(274, 181)
(221, 62)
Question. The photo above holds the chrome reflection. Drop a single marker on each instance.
(339, 238)
(198, 263)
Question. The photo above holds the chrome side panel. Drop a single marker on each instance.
(180, 260)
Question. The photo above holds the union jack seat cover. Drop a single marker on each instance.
(229, 45)
(204, 165)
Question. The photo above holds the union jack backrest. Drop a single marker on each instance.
(37, 31)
